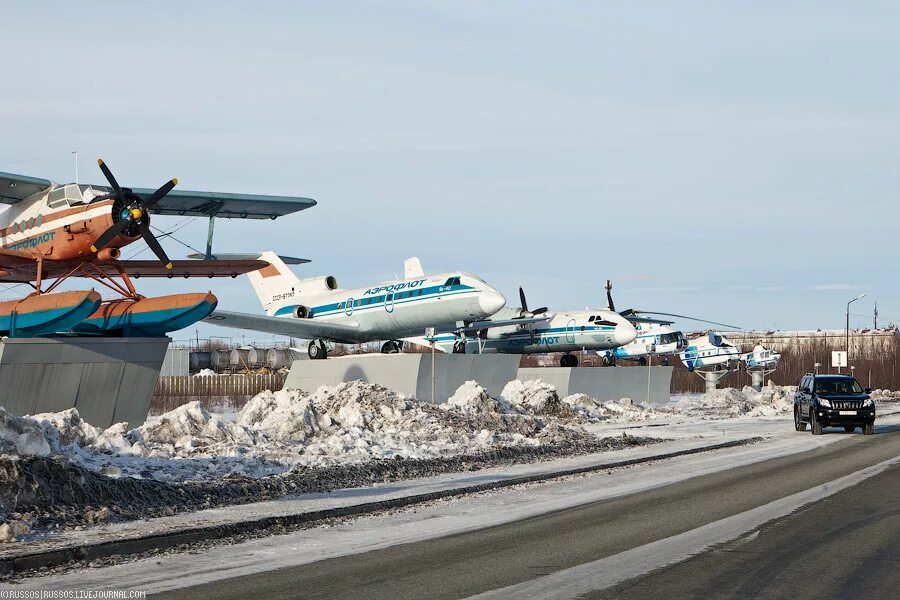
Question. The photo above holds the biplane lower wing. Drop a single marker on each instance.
(21, 267)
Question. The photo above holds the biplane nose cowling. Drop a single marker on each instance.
(148, 317)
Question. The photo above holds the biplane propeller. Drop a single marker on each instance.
(131, 214)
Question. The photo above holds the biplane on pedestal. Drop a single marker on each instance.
(53, 232)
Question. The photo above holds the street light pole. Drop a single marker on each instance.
(847, 331)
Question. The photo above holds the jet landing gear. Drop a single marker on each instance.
(568, 360)
(317, 350)
(391, 347)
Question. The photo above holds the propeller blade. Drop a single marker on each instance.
(653, 312)
(627, 312)
(158, 194)
(539, 311)
(609, 299)
(522, 299)
(109, 177)
(109, 234)
(154, 244)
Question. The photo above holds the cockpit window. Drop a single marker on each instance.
(73, 193)
(453, 281)
(591, 318)
(56, 197)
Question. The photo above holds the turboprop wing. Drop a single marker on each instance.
(488, 324)
(347, 332)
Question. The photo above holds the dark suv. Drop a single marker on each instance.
(833, 401)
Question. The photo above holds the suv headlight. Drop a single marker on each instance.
(825, 402)
(868, 403)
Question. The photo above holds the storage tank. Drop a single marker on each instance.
(217, 360)
(282, 358)
(257, 356)
(240, 358)
(200, 361)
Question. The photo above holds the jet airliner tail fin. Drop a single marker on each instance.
(412, 268)
(274, 282)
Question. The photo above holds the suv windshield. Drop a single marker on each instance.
(843, 385)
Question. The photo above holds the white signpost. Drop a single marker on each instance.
(839, 359)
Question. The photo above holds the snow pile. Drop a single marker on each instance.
(620, 411)
(205, 373)
(535, 397)
(283, 416)
(471, 398)
(276, 431)
(773, 400)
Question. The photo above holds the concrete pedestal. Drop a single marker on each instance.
(409, 374)
(607, 383)
(712, 378)
(107, 379)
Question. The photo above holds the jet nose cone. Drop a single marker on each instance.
(491, 301)
(625, 333)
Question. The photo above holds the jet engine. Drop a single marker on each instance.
(301, 312)
(318, 285)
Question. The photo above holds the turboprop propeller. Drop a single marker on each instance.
(632, 313)
(524, 313)
(131, 214)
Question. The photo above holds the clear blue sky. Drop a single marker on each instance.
(735, 160)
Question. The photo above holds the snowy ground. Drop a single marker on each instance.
(444, 517)
(287, 433)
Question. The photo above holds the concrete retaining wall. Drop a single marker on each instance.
(409, 374)
(606, 383)
(107, 379)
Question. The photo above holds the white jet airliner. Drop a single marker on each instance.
(317, 309)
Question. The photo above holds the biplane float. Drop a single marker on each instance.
(53, 232)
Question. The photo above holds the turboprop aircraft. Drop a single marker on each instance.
(523, 331)
(317, 309)
(710, 351)
(52, 232)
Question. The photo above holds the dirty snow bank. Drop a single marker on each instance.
(275, 431)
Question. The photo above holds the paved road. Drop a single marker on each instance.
(845, 546)
(469, 563)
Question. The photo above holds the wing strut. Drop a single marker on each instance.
(212, 228)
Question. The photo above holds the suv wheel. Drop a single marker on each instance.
(814, 423)
(798, 424)
(869, 429)
(849, 428)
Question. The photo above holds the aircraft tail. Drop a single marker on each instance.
(273, 283)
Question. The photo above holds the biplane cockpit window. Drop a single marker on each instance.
(57, 197)
(73, 193)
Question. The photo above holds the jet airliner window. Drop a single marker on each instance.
(591, 319)
(453, 281)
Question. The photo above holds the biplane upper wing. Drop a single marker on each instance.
(15, 188)
(229, 206)
(21, 267)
